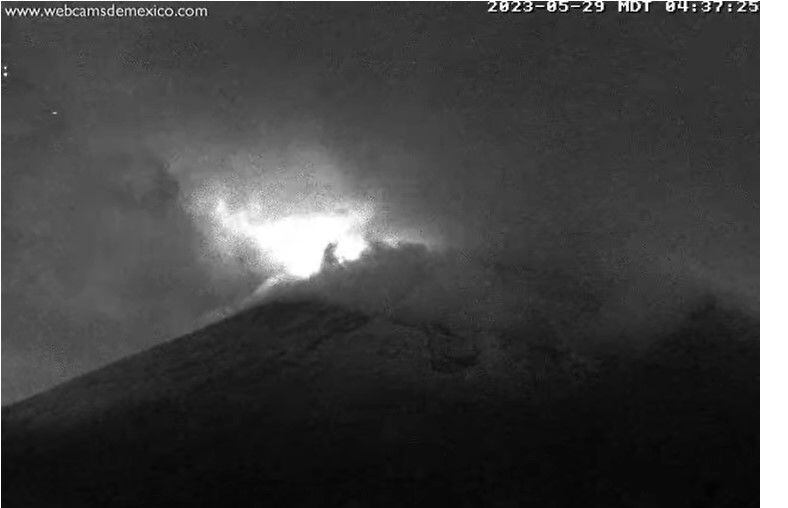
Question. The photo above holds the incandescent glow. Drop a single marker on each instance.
(297, 243)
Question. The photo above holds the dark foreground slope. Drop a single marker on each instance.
(305, 404)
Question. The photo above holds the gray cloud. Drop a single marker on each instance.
(620, 157)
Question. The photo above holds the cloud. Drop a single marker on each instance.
(100, 259)
(607, 201)
(470, 295)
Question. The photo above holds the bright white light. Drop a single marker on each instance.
(297, 243)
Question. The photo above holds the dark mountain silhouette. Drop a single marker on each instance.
(310, 404)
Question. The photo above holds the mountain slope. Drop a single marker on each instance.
(309, 404)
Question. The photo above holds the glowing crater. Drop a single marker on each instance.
(297, 243)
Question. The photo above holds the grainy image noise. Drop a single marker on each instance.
(378, 254)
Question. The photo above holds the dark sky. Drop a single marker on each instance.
(611, 144)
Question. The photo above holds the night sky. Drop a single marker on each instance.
(620, 149)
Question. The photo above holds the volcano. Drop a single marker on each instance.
(306, 403)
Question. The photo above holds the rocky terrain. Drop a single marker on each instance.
(305, 403)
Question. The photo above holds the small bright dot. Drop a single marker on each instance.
(5, 74)
(54, 113)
